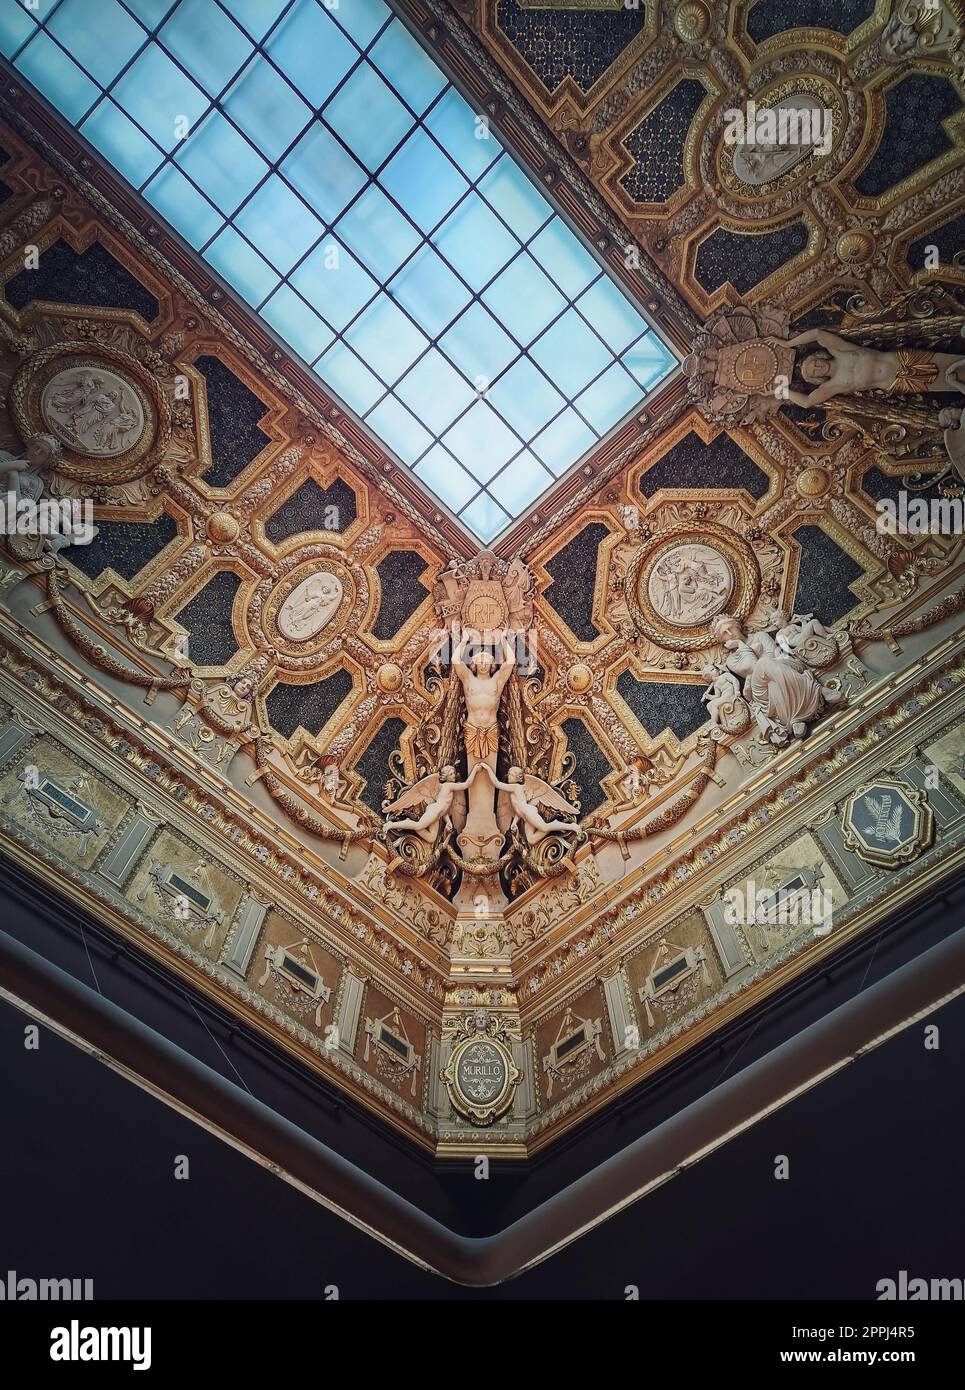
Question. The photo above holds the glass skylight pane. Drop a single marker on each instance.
(570, 354)
(242, 267)
(350, 378)
(257, 16)
(611, 396)
(518, 201)
(368, 117)
(563, 442)
(266, 108)
(466, 136)
(648, 360)
(183, 206)
(312, 51)
(481, 441)
(386, 340)
(100, 35)
(478, 345)
(127, 148)
(447, 479)
(16, 26)
(423, 181)
(435, 392)
(41, 9)
(332, 280)
(400, 429)
(525, 398)
(153, 11)
(485, 518)
(221, 162)
(429, 290)
(523, 299)
(475, 242)
(50, 70)
(611, 314)
(324, 173)
(520, 483)
(294, 321)
(407, 66)
(378, 233)
(155, 92)
(279, 224)
(315, 154)
(362, 19)
(563, 258)
(204, 40)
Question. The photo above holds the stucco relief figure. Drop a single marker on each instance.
(759, 162)
(310, 606)
(482, 685)
(440, 796)
(838, 367)
(28, 478)
(689, 584)
(728, 710)
(28, 475)
(218, 710)
(520, 799)
(784, 695)
(95, 412)
(803, 635)
(743, 363)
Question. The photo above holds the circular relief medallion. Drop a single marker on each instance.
(690, 584)
(481, 1078)
(684, 576)
(108, 412)
(97, 413)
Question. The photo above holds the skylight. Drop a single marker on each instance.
(321, 162)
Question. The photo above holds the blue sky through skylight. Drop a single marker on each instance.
(321, 162)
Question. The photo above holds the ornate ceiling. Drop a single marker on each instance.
(213, 712)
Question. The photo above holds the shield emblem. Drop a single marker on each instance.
(484, 607)
(752, 368)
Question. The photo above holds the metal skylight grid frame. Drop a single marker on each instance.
(117, 69)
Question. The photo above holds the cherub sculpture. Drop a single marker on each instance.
(437, 795)
(728, 710)
(803, 635)
(519, 799)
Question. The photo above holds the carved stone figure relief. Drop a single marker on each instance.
(690, 584)
(309, 607)
(95, 412)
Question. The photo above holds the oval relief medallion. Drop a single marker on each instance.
(93, 411)
(310, 606)
(690, 584)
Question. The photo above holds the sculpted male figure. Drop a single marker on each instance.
(839, 366)
(482, 687)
